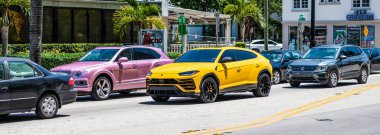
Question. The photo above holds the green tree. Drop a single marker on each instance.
(145, 14)
(35, 30)
(12, 15)
(245, 13)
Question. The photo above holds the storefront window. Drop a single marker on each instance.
(64, 25)
(320, 35)
(293, 38)
(48, 25)
(369, 41)
(353, 35)
(95, 25)
(340, 35)
(80, 25)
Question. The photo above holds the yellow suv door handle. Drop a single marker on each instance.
(238, 70)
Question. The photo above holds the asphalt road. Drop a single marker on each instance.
(139, 114)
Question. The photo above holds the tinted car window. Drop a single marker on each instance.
(144, 54)
(126, 53)
(258, 42)
(19, 70)
(244, 55)
(2, 71)
(375, 53)
(351, 51)
(344, 51)
(296, 55)
(273, 56)
(357, 51)
(100, 55)
(271, 42)
(199, 56)
(229, 53)
(287, 56)
(321, 53)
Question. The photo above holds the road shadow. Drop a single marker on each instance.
(22, 117)
(319, 86)
(114, 96)
(193, 101)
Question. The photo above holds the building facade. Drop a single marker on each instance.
(355, 22)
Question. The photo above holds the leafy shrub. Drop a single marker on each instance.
(59, 48)
(240, 44)
(51, 60)
(173, 55)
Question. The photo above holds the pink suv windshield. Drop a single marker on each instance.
(99, 55)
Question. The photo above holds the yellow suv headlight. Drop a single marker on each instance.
(189, 73)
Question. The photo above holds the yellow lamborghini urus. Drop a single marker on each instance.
(209, 72)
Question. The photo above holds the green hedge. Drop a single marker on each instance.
(59, 48)
(50, 60)
(173, 55)
(240, 44)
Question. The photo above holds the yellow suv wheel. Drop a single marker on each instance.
(209, 90)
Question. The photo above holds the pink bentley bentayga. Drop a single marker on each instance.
(107, 69)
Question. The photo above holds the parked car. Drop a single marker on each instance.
(27, 86)
(207, 73)
(107, 69)
(328, 64)
(259, 44)
(374, 57)
(280, 59)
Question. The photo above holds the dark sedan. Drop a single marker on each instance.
(374, 56)
(27, 86)
(328, 64)
(280, 59)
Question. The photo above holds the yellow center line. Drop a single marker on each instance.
(285, 114)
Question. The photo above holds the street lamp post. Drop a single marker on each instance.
(266, 25)
(300, 30)
(312, 34)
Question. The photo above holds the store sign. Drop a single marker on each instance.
(153, 37)
(360, 15)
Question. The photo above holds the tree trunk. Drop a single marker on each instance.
(242, 32)
(35, 35)
(4, 39)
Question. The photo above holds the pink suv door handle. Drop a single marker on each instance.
(157, 64)
(134, 66)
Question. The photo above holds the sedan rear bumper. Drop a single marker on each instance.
(68, 96)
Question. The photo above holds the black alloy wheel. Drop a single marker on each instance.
(294, 84)
(209, 90)
(263, 86)
(363, 77)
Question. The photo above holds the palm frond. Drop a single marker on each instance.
(23, 4)
(16, 21)
(133, 3)
(154, 22)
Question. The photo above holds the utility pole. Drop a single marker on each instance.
(312, 34)
(266, 14)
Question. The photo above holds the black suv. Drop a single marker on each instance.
(328, 64)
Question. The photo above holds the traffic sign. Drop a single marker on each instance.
(182, 30)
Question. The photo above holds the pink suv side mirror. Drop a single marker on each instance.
(122, 60)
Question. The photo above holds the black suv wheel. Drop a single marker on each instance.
(209, 90)
(363, 77)
(295, 84)
(263, 86)
(333, 79)
(160, 99)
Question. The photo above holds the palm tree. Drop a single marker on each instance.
(35, 33)
(12, 13)
(245, 13)
(146, 15)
